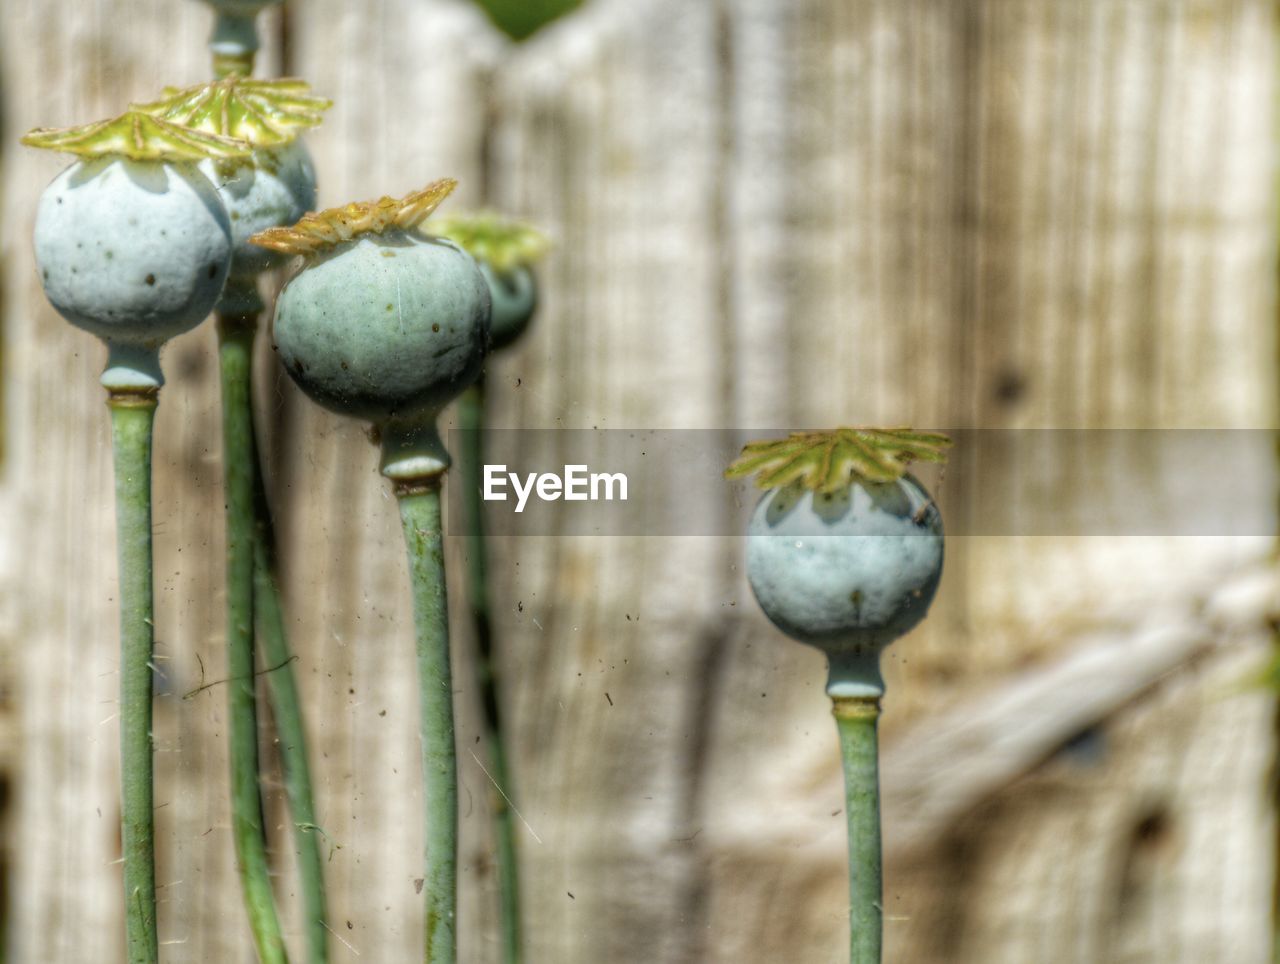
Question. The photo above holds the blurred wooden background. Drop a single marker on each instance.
(768, 214)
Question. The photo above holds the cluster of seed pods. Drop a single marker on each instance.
(388, 323)
(174, 210)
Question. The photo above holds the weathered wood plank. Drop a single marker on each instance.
(959, 248)
(612, 141)
(1148, 842)
(984, 213)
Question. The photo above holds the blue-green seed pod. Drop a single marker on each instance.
(272, 187)
(848, 571)
(506, 250)
(385, 325)
(276, 184)
(383, 322)
(514, 294)
(844, 550)
(132, 242)
(132, 251)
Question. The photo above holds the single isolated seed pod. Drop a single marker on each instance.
(383, 322)
(844, 552)
(132, 242)
(506, 251)
(274, 185)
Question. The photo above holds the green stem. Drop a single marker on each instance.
(286, 704)
(132, 416)
(235, 347)
(420, 513)
(471, 423)
(856, 719)
(470, 414)
(233, 44)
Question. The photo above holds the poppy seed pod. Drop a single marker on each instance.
(506, 251)
(845, 550)
(514, 294)
(272, 187)
(276, 183)
(132, 242)
(848, 571)
(382, 322)
(384, 325)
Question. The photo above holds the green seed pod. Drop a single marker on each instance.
(847, 572)
(382, 322)
(276, 184)
(845, 550)
(393, 324)
(506, 251)
(514, 294)
(273, 187)
(132, 242)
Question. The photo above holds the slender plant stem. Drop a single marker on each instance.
(286, 704)
(233, 44)
(235, 346)
(239, 43)
(856, 720)
(132, 416)
(470, 413)
(420, 513)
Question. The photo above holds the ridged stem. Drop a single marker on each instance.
(132, 416)
(856, 721)
(235, 347)
(420, 514)
(470, 414)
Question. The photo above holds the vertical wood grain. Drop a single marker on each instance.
(988, 213)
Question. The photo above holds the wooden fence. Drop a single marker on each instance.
(948, 213)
